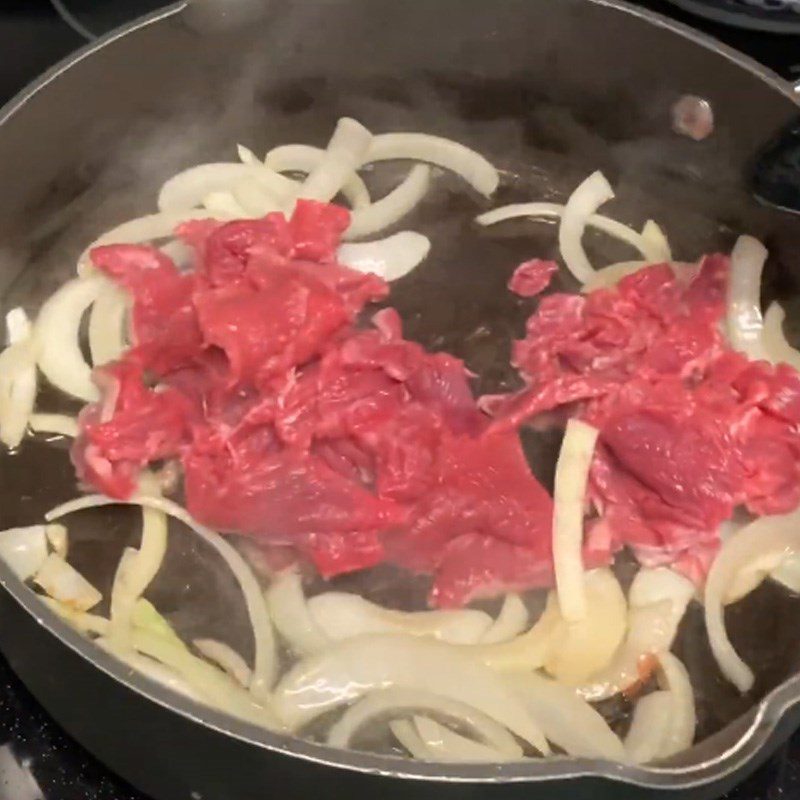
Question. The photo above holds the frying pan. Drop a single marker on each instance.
(549, 92)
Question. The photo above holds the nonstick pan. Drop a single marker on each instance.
(549, 91)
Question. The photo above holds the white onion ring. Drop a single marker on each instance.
(291, 616)
(107, 324)
(407, 735)
(510, 622)
(391, 258)
(776, 346)
(656, 243)
(650, 728)
(227, 658)
(18, 378)
(447, 746)
(683, 719)
(744, 297)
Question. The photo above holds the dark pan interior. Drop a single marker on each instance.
(547, 91)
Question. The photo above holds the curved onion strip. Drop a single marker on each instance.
(107, 324)
(555, 211)
(344, 616)
(254, 198)
(611, 275)
(683, 719)
(572, 475)
(227, 658)
(788, 573)
(225, 205)
(24, 550)
(18, 378)
(752, 576)
(303, 158)
(407, 735)
(392, 207)
(528, 651)
(291, 615)
(57, 333)
(343, 156)
(587, 646)
(657, 601)
(181, 254)
(650, 728)
(390, 258)
(776, 348)
(568, 721)
(445, 153)
(656, 243)
(57, 424)
(777, 534)
(400, 700)
(510, 622)
(64, 583)
(57, 538)
(744, 296)
(357, 666)
(450, 747)
(265, 655)
(582, 203)
(80, 620)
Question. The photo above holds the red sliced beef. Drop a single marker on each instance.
(532, 277)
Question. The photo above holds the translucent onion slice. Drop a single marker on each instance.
(390, 258)
(788, 573)
(555, 211)
(265, 654)
(657, 601)
(744, 296)
(776, 347)
(408, 736)
(357, 666)
(107, 324)
(254, 198)
(447, 746)
(582, 203)
(57, 424)
(24, 550)
(752, 576)
(64, 583)
(18, 378)
(58, 539)
(611, 275)
(344, 616)
(344, 155)
(775, 534)
(568, 721)
(656, 242)
(304, 158)
(587, 646)
(683, 718)
(224, 656)
(572, 476)
(511, 621)
(445, 153)
(225, 205)
(393, 207)
(291, 616)
(400, 700)
(57, 335)
(80, 620)
(650, 728)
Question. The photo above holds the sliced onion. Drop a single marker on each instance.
(582, 203)
(254, 198)
(528, 651)
(343, 156)
(304, 158)
(227, 658)
(64, 583)
(788, 573)
(107, 324)
(776, 534)
(611, 275)
(445, 153)
(58, 337)
(409, 737)
(344, 616)
(587, 646)
(224, 205)
(58, 539)
(24, 550)
(400, 700)
(291, 615)
(510, 622)
(18, 379)
(657, 601)
(393, 207)
(683, 718)
(357, 666)
(80, 620)
(568, 721)
(572, 476)
(656, 243)
(776, 348)
(265, 654)
(448, 746)
(752, 576)
(57, 424)
(650, 728)
(390, 258)
(744, 296)
(181, 254)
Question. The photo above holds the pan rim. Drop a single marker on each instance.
(766, 716)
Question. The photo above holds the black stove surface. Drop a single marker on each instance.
(38, 761)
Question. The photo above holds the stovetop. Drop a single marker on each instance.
(38, 760)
